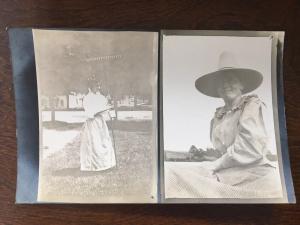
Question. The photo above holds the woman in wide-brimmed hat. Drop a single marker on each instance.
(238, 132)
(239, 139)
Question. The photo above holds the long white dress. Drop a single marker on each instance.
(96, 148)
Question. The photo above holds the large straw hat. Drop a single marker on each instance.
(249, 78)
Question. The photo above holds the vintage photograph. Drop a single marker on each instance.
(98, 124)
(218, 119)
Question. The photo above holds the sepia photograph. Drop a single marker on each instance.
(219, 129)
(97, 106)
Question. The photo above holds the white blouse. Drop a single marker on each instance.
(94, 103)
(240, 134)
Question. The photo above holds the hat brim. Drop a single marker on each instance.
(249, 78)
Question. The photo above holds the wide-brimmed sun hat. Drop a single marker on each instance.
(249, 78)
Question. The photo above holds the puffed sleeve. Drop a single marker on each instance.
(251, 140)
(87, 105)
(102, 103)
(94, 103)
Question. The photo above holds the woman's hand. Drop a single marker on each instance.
(209, 170)
(214, 166)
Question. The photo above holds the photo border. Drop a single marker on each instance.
(278, 113)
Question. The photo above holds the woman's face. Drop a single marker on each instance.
(94, 89)
(230, 88)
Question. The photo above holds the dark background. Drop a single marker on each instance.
(112, 14)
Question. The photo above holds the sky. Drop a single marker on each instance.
(186, 112)
(66, 60)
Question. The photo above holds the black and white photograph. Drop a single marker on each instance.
(97, 106)
(219, 118)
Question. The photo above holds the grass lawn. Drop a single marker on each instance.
(62, 180)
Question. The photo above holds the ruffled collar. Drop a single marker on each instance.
(221, 112)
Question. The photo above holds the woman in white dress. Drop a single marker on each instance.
(96, 148)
